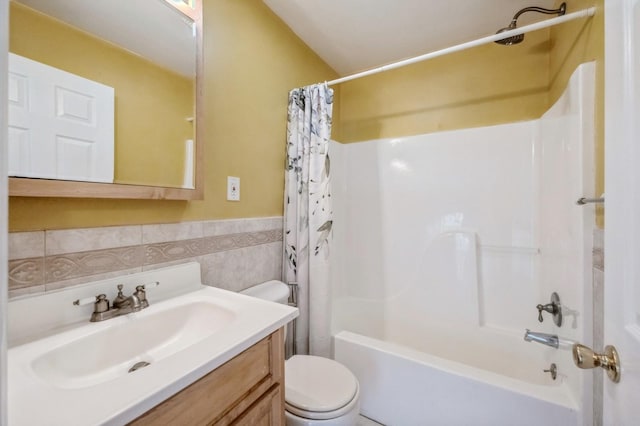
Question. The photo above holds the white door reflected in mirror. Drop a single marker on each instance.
(61, 126)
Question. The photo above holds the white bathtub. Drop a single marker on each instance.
(403, 386)
(424, 355)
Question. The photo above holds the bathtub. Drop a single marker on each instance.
(424, 354)
(404, 386)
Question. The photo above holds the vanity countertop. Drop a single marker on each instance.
(39, 398)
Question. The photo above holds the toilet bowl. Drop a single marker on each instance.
(318, 391)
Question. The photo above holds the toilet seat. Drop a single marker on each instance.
(319, 388)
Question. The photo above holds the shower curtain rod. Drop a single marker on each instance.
(458, 47)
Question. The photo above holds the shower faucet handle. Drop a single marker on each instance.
(553, 308)
(549, 307)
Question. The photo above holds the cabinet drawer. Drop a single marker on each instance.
(225, 392)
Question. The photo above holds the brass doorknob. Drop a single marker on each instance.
(585, 357)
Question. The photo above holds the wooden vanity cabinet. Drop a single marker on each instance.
(246, 390)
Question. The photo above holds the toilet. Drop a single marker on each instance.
(318, 391)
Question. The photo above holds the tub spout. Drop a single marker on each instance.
(544, 338)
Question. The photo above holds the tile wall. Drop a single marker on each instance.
(234, 254)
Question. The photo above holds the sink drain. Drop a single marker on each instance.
(138, 365)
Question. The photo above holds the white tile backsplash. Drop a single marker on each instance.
(239, 269)
(171, 232)
(26, 244)
(234, 226)
(86, 239)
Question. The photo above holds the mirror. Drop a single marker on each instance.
(148, 51)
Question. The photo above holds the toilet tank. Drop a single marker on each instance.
(274, 291)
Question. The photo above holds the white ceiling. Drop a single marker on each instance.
(150, 28)
(354, 35)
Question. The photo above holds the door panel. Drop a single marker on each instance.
(622, 217)
(61, 125)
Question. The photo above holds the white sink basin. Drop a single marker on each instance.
(80, 374)
(110, 352)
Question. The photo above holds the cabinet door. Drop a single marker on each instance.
(245, 389)
(267, 411)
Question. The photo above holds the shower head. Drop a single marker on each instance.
(508, 41)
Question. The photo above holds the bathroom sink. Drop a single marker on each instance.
(79, 371)
(144, 337)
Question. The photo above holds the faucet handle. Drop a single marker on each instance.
(85, 301)
(549, 307)
(553, 308)
(101, 298)
(102, 304)
(119, 299)
(141, 294)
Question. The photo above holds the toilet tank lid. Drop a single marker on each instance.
(274, 291)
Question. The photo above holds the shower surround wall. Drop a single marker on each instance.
(234, 254)
(446, 242)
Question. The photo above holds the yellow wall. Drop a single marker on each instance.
(251, 62)
(572, 44)
(486, 85)
(151, 103)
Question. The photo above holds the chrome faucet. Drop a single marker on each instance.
(544, 338)
(128, 305)
(132, 303)
(122, 305)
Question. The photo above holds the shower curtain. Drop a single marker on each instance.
(308, 214)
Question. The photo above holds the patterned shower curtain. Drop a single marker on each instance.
(308, 214)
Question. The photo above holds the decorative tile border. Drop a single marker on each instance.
(26, 273)
(89, 239)
(100, 251)
(75, 265)
(175, 250)
(171, 232)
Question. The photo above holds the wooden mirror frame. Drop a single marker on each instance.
(26, 187)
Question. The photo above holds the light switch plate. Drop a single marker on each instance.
(233, 188)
